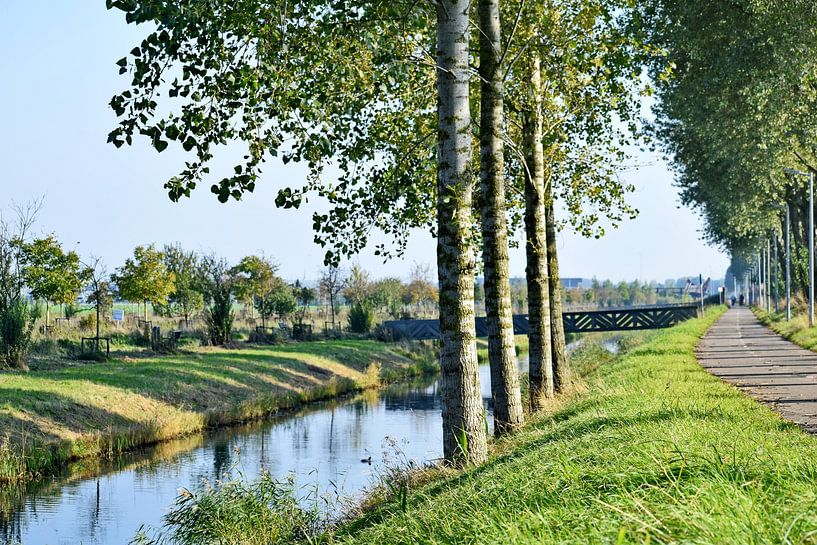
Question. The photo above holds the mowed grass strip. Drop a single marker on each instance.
(50, 417)
(657, 451)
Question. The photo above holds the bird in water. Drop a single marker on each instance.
(367, 460)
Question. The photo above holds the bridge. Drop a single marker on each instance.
(586, 321)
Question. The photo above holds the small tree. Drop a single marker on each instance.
(187, 298)
(420, 290)
(387, 293)
(304, 296)
(278, 300)
(358, 286)
(145, 278)
(331, 284)
(51, 275)
(17, 317)
(99, 292)
(218, 287)
(254, 279)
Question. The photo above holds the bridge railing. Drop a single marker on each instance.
(612, 319)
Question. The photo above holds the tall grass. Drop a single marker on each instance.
(235, 512)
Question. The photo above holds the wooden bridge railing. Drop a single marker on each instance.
(620, 319)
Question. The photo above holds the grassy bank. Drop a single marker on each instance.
(99, 409)
(657, 451)
(796, 330)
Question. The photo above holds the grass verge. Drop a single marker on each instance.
(48, 418)
(796, 330)
(657, 451)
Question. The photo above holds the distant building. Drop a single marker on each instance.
(576, 283)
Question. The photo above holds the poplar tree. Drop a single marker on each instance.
(505, 391)
(263, 72)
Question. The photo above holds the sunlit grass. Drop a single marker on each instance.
(97, 409)
(795, 330)
(657, 451)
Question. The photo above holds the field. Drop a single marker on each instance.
(90, 409)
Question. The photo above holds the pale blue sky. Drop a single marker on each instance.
(57, 74)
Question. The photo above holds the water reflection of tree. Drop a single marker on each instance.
(418, 395)
(12, 514)
(222, 458)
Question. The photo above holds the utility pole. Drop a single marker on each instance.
(759, 273)
(768, 276)
(811, 249)
(788, 263)
(775, 275)
(810, 176)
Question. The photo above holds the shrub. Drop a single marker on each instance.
(69, 310)
(360, 318)
(16, 326)
(88, 322)
(45, 347)
(219, 317)
(269, 336)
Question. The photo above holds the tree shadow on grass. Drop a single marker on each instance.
(566, 431)
(55, 410)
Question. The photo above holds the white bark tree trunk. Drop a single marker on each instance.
(561, 372)
(508, 413)
(464, 438)
(541, 368)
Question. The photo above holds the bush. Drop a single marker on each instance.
(270, 336)
(219, 317)
(69, 310)
(302, 332)
(45, 347)
(360, 318)
(16, 326)
(88, 322)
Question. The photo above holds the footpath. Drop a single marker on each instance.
(747, 354)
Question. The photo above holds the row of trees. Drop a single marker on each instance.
(354, 84)
(738, 111)
(178, 282)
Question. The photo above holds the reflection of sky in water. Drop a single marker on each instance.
(322, 448)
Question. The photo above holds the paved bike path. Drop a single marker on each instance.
(745, 353)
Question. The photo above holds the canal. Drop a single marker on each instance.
(321, 447)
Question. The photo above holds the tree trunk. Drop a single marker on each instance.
(464, 438)
(540, 371)
(501, 347)
(558, 348)
(46, 316)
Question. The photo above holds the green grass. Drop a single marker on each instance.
(657, 451)
(50, 417)
(796, 330)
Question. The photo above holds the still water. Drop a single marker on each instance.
(321, 447)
